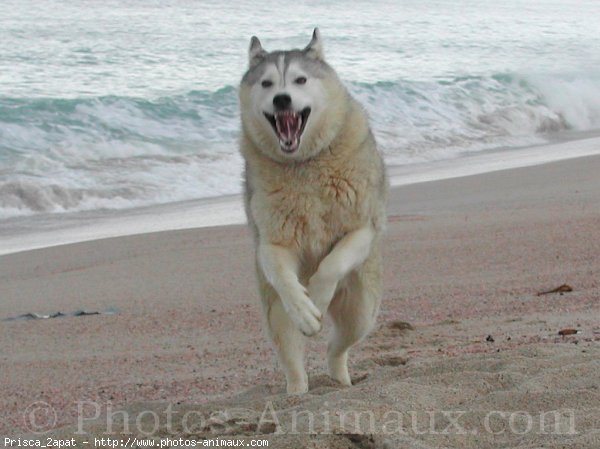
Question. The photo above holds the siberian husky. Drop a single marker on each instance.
(315, 197)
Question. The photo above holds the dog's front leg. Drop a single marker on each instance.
(349, 253)
(280, 267)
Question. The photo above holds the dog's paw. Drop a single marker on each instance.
(298, 387)
(304, 313)
(321, 291)
(338, 370)
(343, 378)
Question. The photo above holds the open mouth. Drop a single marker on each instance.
(288, 126)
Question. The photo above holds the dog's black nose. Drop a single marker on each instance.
(282, 101)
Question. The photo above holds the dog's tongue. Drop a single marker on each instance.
(288, 125)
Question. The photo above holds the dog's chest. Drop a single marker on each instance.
(311, 211)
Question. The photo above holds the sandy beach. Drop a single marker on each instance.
(463, 331)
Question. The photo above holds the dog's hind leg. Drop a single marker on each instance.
(286, 338)
(353, 312)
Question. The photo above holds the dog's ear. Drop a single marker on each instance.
(315, 48)
(255, 53)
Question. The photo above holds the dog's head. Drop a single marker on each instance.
(290, 100)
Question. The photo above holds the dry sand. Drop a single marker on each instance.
(465, 259)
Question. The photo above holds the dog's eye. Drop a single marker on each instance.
(266, 83)
(300, 80)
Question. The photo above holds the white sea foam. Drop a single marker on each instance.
(118, 153)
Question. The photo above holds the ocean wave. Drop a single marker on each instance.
(427, 120)
(120, 183)
(69, 154)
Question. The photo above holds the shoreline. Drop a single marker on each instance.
(465, 259)
(47, 230)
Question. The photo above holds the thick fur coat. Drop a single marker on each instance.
(317, 215)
